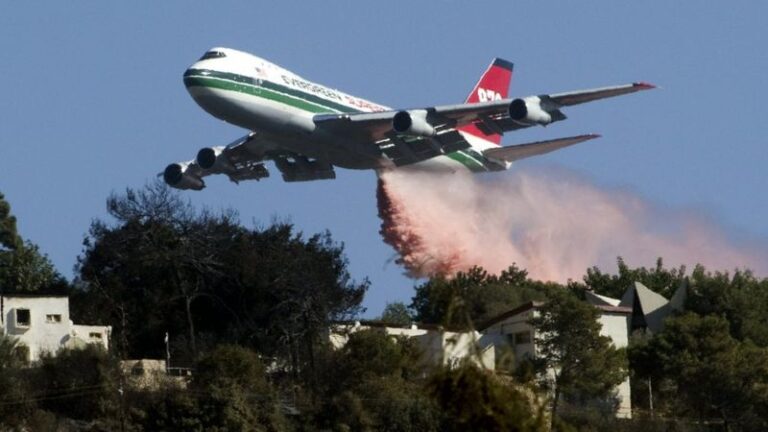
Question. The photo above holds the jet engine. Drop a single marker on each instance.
(529, 111)
(412, 122)
(213, 159)
(176, 175)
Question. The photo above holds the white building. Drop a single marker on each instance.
(440, 347)
(513, 329)
(511, 332)
(41, 323)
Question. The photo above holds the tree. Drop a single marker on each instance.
(22, 267)
(739, 297)
(16, 405)
(396, 313)
(659, 279)
(169, 408)
(584, 365)
(9, 237)
(703, 371)
(80, 383)
(374, 383)
(474, 399)
(166, 267)
(287, 291)
(146, 274)
(470, 298)
(233, 393)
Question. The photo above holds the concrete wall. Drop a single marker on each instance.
(49, 326)
(504, 336)
(98, 335)
(440, 347)
(615, 325)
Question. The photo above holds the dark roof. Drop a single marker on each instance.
(510, 313)
(615, 309)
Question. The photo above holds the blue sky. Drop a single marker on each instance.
(93, 102)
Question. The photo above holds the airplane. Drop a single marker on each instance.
(308, 129)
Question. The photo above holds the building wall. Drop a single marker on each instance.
(93, 334)
(615, 325)
(339, 333)
(508, 337)
(49, 325)
(447, 348)
(440, 347)
(145, 373)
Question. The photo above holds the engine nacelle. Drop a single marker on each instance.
(213, 159)
(529, 111)
(412, 122)
(177, 176)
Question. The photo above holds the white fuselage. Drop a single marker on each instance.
(252, 93)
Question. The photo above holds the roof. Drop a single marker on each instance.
(677, 302)
(33, 295)
(649, 300)
(383, 324)
(598, 300)
(653, 306)
(615, 309)
(510, 313)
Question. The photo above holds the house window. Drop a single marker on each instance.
(53, 318)
(94, 335)
(510, 339)
(522, 338)
(23, 318)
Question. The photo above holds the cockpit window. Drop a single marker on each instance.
(212, 55)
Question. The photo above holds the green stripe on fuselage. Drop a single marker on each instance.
(248, 85)
(217, 83)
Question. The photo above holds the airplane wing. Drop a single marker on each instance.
(495, 117)
(244, 159)
(508, 154)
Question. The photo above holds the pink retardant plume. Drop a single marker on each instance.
(553, 224)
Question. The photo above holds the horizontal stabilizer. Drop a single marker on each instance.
(522, 151)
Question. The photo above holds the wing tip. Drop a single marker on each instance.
(587, 137)
(642, 85)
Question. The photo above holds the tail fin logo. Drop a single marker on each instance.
(487, 95)
(492, 86)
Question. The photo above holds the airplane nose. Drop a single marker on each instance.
(193, 76)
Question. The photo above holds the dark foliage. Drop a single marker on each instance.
(469, 299)
(164, 267)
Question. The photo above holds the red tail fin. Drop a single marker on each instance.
(493, 85)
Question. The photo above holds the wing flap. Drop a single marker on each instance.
(516, 152)
(406, 150)
(298, 168)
